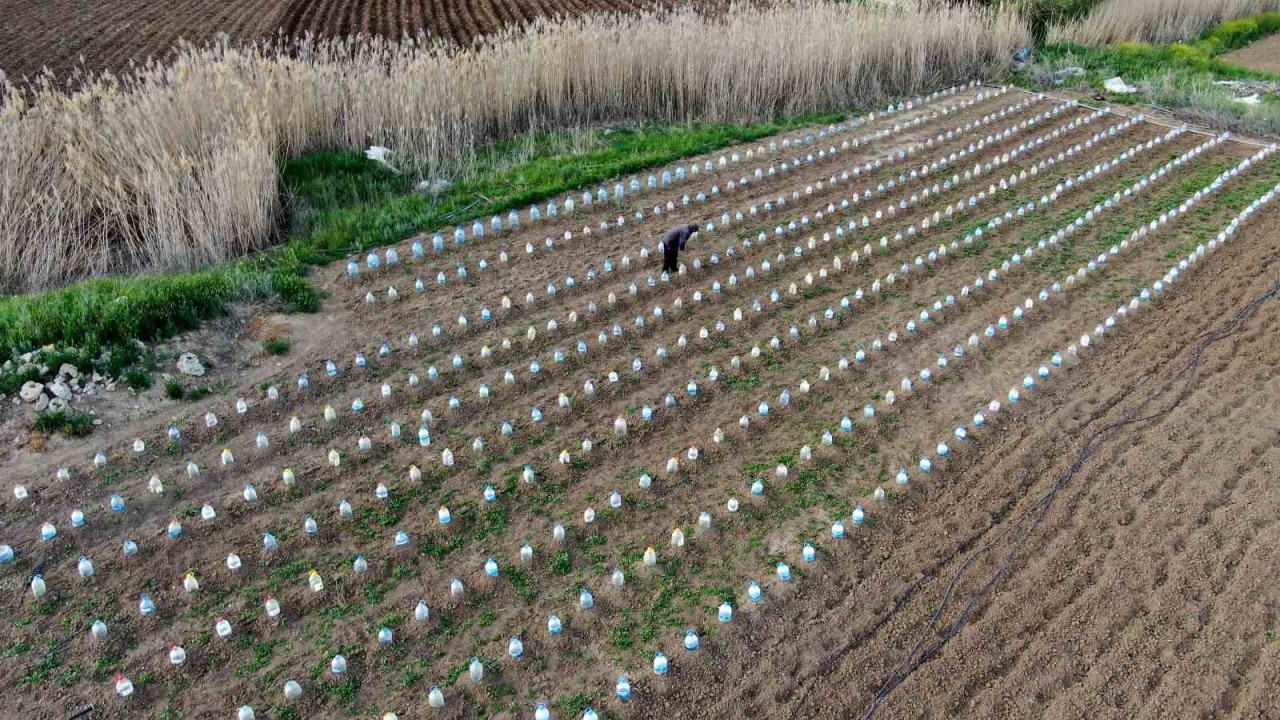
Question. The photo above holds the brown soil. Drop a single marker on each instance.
(68, 36)
(1142, 591)
(1263, 55)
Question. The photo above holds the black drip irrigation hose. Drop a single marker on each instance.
(1029, 520)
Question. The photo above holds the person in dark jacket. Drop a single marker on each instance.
(672, 243)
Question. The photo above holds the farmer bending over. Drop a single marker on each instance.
(672, 243)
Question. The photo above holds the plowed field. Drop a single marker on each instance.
(952, 410)
(66, 35)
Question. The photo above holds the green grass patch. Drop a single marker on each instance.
(277, 346)
(137, 379)
(1179, 77)
(72, 423)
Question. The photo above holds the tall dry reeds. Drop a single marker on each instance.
(1155, 21)
(175, 167)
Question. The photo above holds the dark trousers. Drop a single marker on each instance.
(670, 259)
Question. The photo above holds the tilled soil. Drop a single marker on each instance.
(1261, 55)
(66, 37)
(1143, 590)
(1122, 596)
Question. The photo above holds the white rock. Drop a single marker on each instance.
(189, 364)
(58, 405)
(31, 391)
(69, 371)
(60, 389)
(42, 402)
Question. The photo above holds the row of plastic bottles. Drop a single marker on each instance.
(535, 213)
(100, 461)
(241, 408)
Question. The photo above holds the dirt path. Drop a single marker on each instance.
(1263, 55)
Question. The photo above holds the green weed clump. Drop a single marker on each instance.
(72, 423)
(277, 346)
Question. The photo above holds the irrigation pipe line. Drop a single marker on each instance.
(1030, 519)
(1107, 109)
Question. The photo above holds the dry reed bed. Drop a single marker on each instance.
(175, 167)
(1155, 21)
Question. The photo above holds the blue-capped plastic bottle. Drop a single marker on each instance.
(691, 640)
(725, 612)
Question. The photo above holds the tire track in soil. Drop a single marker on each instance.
(1149, 492)
(1041, 556)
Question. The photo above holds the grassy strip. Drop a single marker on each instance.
(1179, 77)
(340, 203)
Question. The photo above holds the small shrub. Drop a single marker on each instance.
(72, 423)
(137, 379)
(276, 346)
(198, 392)
(173, 389)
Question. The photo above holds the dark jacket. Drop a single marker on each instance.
(678, 236)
